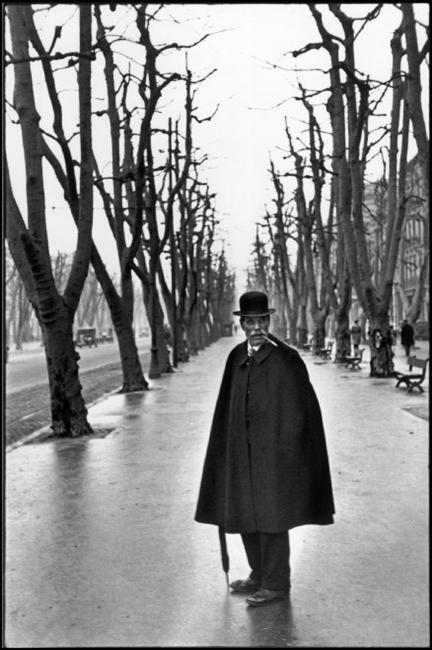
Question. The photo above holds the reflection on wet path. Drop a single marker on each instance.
(102, 548)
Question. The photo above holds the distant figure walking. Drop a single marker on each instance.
(381, 356)
(407, 336)
(355, 332)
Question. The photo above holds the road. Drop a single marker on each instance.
(27, 368)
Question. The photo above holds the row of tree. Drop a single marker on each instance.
(161, 216)
(21, 323)
(312, 257)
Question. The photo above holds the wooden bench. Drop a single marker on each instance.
(354, 361)
(325, 353)
(412, 380)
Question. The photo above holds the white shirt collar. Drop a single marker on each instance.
(252, 348)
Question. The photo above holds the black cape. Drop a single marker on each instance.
(273, 474)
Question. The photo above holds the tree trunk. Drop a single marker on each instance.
(414, 309)
(182, 344)
(342, 336)
(319, 319)
(132, 371)
(192, 335)
(68, 410)
(302, 328)
(293, 316)
(161, 360)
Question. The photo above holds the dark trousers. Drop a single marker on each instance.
(268, 557)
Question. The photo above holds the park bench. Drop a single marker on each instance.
(354, 361)
(412, 380)
(325, 353)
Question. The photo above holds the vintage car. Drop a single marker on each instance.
(86, 336)
(106, 336)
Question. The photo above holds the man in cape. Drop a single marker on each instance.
(266, 468)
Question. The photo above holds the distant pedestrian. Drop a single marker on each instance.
(381, 355)
(266, 468)
(391, 336)
(407, 336)
(355, 332)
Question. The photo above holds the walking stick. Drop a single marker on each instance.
(224, 553)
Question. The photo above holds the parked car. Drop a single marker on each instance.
(106, 336)
(86, 336)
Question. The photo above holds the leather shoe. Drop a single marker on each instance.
(264, 596)
(245, 586)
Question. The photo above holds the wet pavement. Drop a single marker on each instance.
(102, 549)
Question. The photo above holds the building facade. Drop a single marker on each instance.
(413, 257)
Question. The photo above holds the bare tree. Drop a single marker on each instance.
(139, 174)
(307, 215)
(350, 107)
(280, 255)
(133, 378)
(29, 246)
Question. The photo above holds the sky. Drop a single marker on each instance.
(254, 87)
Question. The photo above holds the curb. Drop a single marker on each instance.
(46, 428)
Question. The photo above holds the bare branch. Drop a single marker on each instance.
(176, 46)
(50, 57)
(425, 49)
(307, 48)
(201, 79)
(206, 119)
(57, 34)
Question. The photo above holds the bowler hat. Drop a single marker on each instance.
(254, 303)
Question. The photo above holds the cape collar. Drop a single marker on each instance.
(259, 356)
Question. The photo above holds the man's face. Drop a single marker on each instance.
(254, 327)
